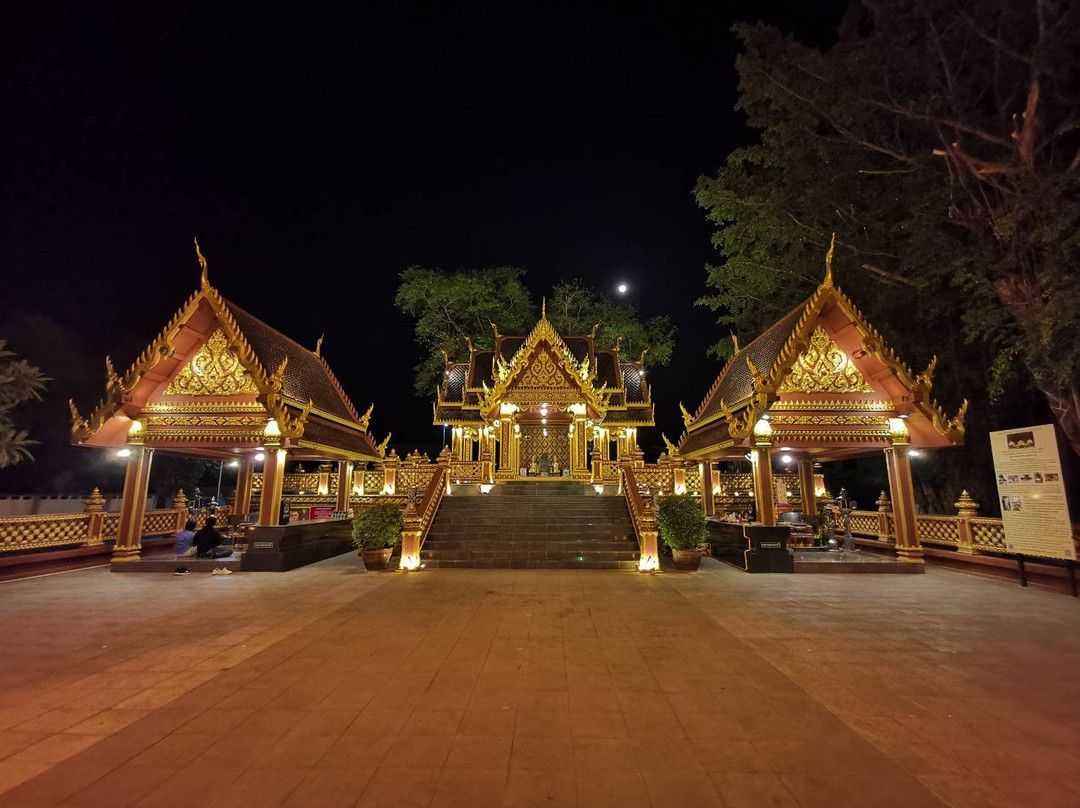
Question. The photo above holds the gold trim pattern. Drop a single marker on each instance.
(834, 404)
(214, 370)
(824, 368)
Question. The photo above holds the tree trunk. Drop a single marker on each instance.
(1066, 407)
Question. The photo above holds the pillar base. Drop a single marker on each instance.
(910, 555)
(126, 553)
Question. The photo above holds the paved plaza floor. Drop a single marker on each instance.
(329, 686)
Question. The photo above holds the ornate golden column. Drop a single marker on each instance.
(344, 485)
(707, 503)
(273, 475)
(902, 494)
(579, 448)
(133, 507)
(456, 442)
(506, 452)
(806, 486)
(244, 478)
(486, 453)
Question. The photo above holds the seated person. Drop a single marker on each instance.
(185, 540)
(207, 539)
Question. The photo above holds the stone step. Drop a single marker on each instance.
(616, 545)
(527, 527)
(540, 565)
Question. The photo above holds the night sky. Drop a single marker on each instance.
(316, 153)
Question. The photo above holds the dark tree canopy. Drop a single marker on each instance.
(19, 382)
(453, 308)
(575, 308)
(941, 142)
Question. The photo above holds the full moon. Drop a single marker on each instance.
(622, 288)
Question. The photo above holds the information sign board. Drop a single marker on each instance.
(1034, 506)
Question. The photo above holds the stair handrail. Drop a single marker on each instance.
(417, 519)
(643, 517)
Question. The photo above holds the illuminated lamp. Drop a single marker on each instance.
(410, 563)
(648, 564)
(123, 452)
(259, 457)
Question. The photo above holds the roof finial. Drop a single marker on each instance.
(735, 340)
(205, 279)
(318, 344)
(543, 308)
(828, 262)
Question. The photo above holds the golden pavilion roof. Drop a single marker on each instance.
(213, 376)
(819, 393)
(613, 388)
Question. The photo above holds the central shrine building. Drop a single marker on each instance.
(544, 406)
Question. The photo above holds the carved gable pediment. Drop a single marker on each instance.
(823, 367)
(214, 370)
(543, 379)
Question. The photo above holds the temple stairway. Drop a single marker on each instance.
(529, 525)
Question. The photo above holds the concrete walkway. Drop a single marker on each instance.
(328, 686)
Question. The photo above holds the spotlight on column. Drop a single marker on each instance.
(123, 452)
(259, 457)
(785, 459)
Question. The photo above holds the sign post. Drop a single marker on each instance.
(1031, 491)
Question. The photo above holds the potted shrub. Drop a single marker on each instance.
(681, 524)
(376, 530)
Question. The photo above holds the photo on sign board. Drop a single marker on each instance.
(1020, 440)
(1001, 479)
(1014, 478)
(1005, 506)
(1038, 477)
(1052, 477)
(1016, 503)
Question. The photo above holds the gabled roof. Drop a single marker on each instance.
(755, 376)
(293, 384)
(468, 391)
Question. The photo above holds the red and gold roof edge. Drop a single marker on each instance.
(741, 416)
(291, 415)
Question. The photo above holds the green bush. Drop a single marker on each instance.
(377, 527)
(681, 522)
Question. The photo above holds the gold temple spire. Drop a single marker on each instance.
(318, 344)
(828, 262)
(543, 308)
(735, 341)
(205, 278)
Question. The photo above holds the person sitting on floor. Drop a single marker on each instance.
(185, 540)
(207, 539)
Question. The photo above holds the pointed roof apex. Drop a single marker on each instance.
(318, 345)
(204, 280)
(828, 262)
(735, 341)
(543, 309)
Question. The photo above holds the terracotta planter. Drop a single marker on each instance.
(686, 559)
(377, 559)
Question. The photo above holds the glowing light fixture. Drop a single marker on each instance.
(123, 452)
(272, 429)
(762, 428)
(623, 288)
(914, 453)
(259, 457)
(785, 459)
(410, 563)
(234, 463)
(599, 489)
(648, 564)
(485, 488)
(545, 432)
